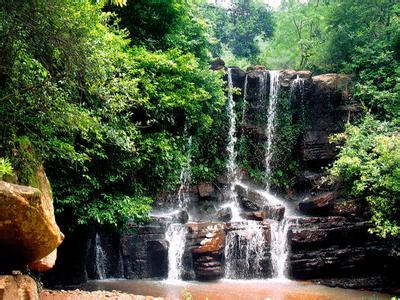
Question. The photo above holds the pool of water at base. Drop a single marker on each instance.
(232, 290)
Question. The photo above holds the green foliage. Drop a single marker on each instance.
(5, 167)
(105, 118)
(369, 160)
(325, 35)
(26, 161)
(369, 166)
(298, 37)
(165, 24)
(353, 24)
(240, 27)
(378, 84)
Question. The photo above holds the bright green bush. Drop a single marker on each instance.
(369, 167)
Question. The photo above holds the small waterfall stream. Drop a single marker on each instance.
(244, 248)
(246, 82)
(244, 251)
(270, 130)
(279, 248)
(176, 237)
(279, 229)
(176, 233)
(232, 154)
(100, 259)
(297, 84)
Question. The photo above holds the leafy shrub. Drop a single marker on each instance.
(369, 166)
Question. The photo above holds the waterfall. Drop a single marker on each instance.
(176, 237)
(279, 248)
(246, 79)
(183, 197)
(176, 233)
(100, 259)
(230, 149)
(244, 251)
(279, 229)
(270, 130)
(297, 84)
(231, 166)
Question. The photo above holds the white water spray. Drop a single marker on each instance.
(246, 79)
(230, 149)
(279, 248)
(100, 259)
(297, 84)
(176, 237)
(270, 130)
(245, 251)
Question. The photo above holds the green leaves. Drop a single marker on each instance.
(104, 114)
(240, 27)
(5, 167)
(369, 166)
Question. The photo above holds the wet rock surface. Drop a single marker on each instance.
(206, 243)
(321, 204)
(249, 199)
(336, 247)
(145, 252)
(224, 214)
(274, 212)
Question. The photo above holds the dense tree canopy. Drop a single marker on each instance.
(104, 115)
(240, 27)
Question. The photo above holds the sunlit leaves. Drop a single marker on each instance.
(119, 2)
(5, 167)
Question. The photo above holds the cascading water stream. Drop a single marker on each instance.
(297, 84)
(100, 259)
(231, 165)
(270, 130)
(279, 229)
(245, 251)
(246, 81)
(230, 149)
(279, 248)
(176, 233)
(244, 248)
(176, 237)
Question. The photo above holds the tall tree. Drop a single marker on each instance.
(241, 25)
